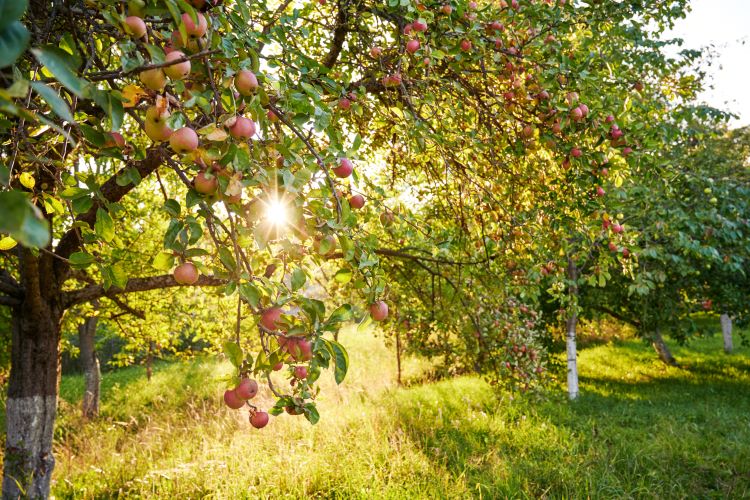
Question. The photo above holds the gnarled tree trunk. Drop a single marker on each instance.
(726, 331)
(662, 349)
(32, 399)
(91, 371)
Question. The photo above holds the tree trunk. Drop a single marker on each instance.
(149, 358)
(662, 350)
(398, 356)
(726, 331)
(570, 335)
(32, 401)
(91, 371)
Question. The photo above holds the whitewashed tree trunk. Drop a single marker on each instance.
(570, 342)
(91, 371)
(726, 331)
(570, 334)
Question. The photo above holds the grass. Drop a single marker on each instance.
(640, 429)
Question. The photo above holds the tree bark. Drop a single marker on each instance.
(31, 403)
(91, 371)
(570, 335)
(726, 331)
(662, 349)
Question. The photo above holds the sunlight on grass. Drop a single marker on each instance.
(640, 429)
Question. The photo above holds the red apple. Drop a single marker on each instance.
(575, 153)
(345, 168)
(183, 140)
(269, 318)
(446, 9)
(412, 46)
(344, 103)
(232, 400)
(617, 228)
(379, 310)
(259, 419)
(600, 191)
(465, 45)
(114, 139)
(246, 389)
(176, 71)
(300, 372)
(245, 82)
(376, 52)
(419, 26)
(193, 29)
(135, 27)
(186, 273)
(357, 201)
(205, 185)
(243, 128)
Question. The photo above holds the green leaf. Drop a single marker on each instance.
(227, 259)
(104, 225)
(111, 105)
(250, 293)
(298, 279)
(342, 313)
(341, 358)
(172, 207)
(13, 41)
(343, 275)
(22, 220)
(233, 353)
(311, 413)
(56, 103)
(114, 276)
(164, 261)
(60, 64)
(81, 260)
(11, 10)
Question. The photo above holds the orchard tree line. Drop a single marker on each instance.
(473, 174)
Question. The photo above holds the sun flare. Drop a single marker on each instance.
(276, 213)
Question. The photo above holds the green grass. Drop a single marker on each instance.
(640, 429)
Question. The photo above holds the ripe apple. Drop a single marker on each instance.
(192, 29)
(412, 46)
(300, 372)
(344, 103)
(157, 131)
(627, 151)
(446, 9)
(357, 201)
(408, 28)
(183, 140)
(600, 191)
(186, 273)
(625, 253)
(376, 52)
(379, 310)
(278, 366)
(293, 410)
(419, 26)
(205, 185)
(609, 119)
(246, 389)
(612, 246)
(575, 153)
(135, 27)
(496, 26)
(345, 168)
(269, 318)
(617, 228)
(259, 419)
(245, 82)
(465, 45)
(232, 400)
(153, 79)
(584, 110)
(576, 114)
(176, 71)
(472, 5)
(299, 348)
(271, 115)
(707, 304)
(243, 128)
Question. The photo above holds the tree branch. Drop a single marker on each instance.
(92, 292)
(9, 301)
(339, 35)
(111, 192)
(619, 316)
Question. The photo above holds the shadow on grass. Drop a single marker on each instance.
(683, 433)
